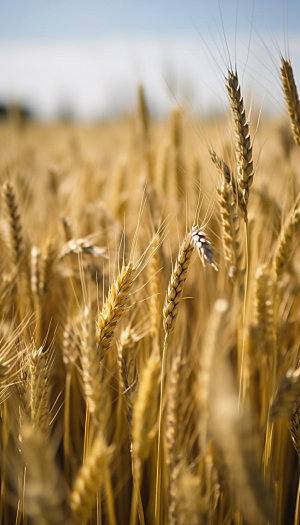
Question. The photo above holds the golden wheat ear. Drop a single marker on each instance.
(242, 136)
(286, 244)
(176, 283)
(287, 395)
(90, 478)
(196, 238)
(114, 307)
(291, 97)
(231, 235)
(295, 428)
(16, 233)
(230, 178)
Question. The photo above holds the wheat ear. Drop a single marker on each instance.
(176, 156)
(143, 113)
(15, 222)
(264, 307)
(176, 284)
(49, 260)
(114, 307)
(40, 363)
(34, 387)
(90, 478)
(81, 246)
(68, 228)
(291, 97)
(242, 136)
(230, 226)
(295, 428)
(229, 177)
(91, 370)
(196, 238)
(287, 395)
(126, 357)
(286, 243)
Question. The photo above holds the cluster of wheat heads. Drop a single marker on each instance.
(149, 359)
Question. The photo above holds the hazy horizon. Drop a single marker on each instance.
(88, 61)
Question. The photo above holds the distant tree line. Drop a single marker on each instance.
(15, 110)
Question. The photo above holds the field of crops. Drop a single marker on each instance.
(150, 318)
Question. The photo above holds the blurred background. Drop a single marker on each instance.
(71, 59)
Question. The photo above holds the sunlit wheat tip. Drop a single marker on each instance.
(201, 242)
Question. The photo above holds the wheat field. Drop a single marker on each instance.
(150, 318)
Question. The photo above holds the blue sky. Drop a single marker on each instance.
(89, 55)
(35, 19)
